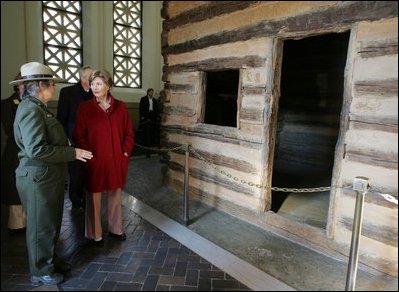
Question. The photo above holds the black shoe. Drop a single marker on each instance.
(99, 243)
(17, 230)
(77, 206)
(62, 267)
(121, 237)
(51, 279)
(77, 210)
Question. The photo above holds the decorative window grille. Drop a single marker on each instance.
(127, 43)
(62, 38)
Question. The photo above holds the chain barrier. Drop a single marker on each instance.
(386, 197)
(259, 186)
(184, 147)
(360, 185)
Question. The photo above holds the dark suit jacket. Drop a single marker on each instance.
(9, 161)
(70, 98)
(145, 109)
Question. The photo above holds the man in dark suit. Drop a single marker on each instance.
(149, 119)
(70, 98)
(10, 161)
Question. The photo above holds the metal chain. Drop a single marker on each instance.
(182, 147)
(259, 186)
(302, 190)
(186, 147)
(386, 197)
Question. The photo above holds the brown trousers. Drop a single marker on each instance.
(93, 213)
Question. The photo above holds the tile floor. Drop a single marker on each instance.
(149, 260)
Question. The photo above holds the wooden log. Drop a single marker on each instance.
(387, 87)
(372, 145)
(252, 115)
(188, 88)
(182, 83)
(364, 125)
(254, 101)
(213, 9)
(265, 10)
(164, 10)
(271, 112)
(370, 198)
(172, 120)
(218, 64)
(341, 16)
(179, 111)
(360, 157)
(255, 79)
(391, 122)
(252, 128)
(377, 68)
(164, 43)
(253, 90)
(203, 196)
(175, 8)
(218, 180)
(377, 31)
(215, 134)
(378, 48)
(385, 180)
(379, 109)
(379, 233)
(229, 162)
(217, 159)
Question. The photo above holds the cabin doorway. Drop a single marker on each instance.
(308, 119)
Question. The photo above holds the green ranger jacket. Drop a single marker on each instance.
(40, 136)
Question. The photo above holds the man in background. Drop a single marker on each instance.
(68, 103)
(149, 120)
(10, 161)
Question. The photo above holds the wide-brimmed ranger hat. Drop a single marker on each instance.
(36, 71)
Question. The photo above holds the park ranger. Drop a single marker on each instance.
(40, 175)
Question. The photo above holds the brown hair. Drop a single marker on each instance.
(18, 77)
(103, 74)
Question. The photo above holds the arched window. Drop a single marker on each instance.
(127, 43)
(62, 38)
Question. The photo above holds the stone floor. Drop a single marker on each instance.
(149, 260)
(164, 254)
(296, 265)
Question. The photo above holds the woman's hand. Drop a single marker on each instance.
(83, 155)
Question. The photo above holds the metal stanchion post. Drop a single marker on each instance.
(360, 185)
(185, 199)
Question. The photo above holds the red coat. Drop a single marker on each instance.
(107, 136)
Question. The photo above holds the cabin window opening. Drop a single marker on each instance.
(221, 98)
(308, 119)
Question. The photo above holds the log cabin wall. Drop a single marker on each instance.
(370, 142)
(201, 36)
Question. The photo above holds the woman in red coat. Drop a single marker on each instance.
(104, 127)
